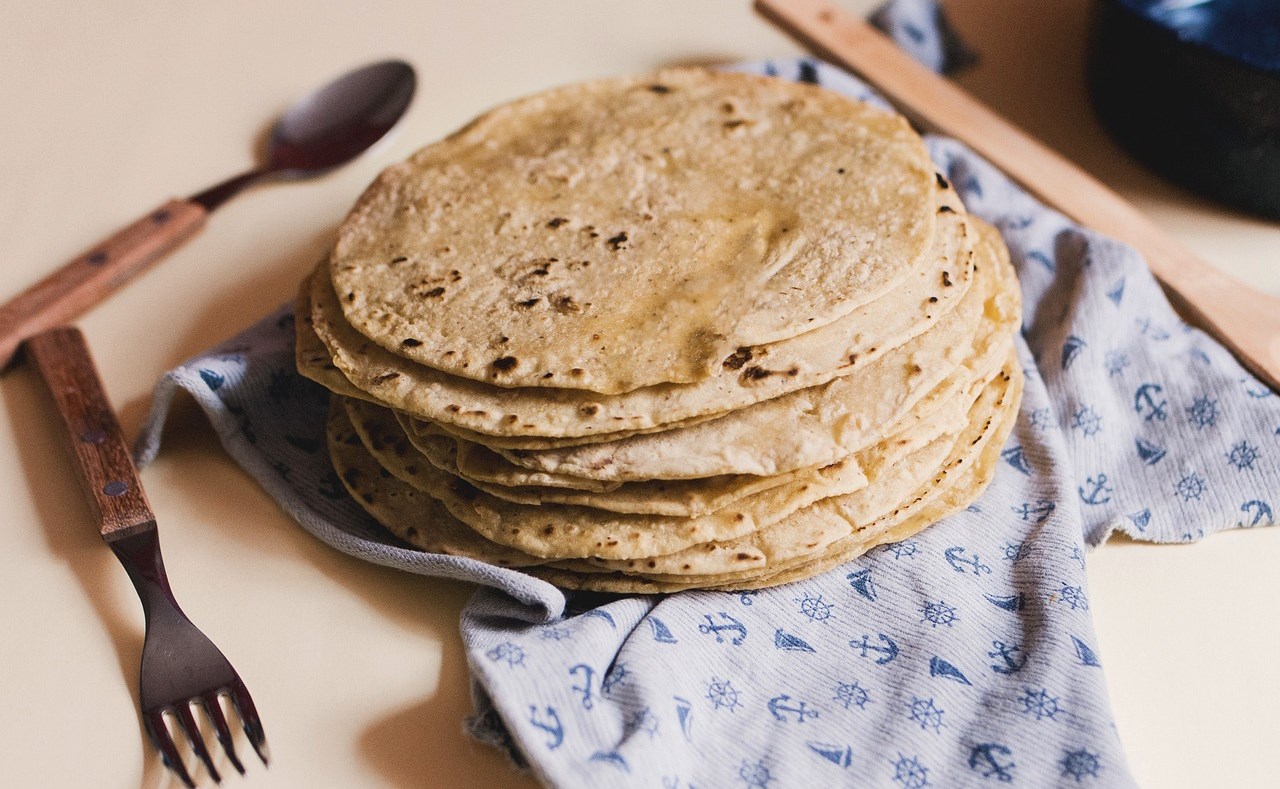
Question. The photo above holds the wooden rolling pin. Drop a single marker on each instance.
(1244, 320)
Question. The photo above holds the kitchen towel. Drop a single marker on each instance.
(963, 656)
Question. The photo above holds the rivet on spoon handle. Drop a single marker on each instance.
(89, 278)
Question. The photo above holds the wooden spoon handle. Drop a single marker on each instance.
(1242, 319)
(105, 467)
(91, 277)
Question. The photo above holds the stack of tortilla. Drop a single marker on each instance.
(687, 330)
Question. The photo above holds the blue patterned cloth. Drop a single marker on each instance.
(962, 657)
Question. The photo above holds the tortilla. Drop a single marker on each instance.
(566, 531)
(635, 231)
(953, 489)
(748, 375)
(790, 550)
(395, 449)
(407, 513)
(688, 330)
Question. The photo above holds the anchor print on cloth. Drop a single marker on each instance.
(964, 656)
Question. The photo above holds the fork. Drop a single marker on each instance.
(181, 667)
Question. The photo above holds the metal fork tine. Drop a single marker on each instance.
(213, 706)
(187, 721)
(252, 723)
(159, 733)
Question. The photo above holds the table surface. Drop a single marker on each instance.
(111, 108)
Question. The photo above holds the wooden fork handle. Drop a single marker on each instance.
(96, 274)
(105, 467)
(1230, 311)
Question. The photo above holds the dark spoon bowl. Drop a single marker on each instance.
(328, 128)
(344, 118)
(1192, 89)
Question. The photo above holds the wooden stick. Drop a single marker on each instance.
(1244, 320)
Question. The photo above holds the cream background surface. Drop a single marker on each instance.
(111, 108)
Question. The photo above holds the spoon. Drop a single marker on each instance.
(322, 131)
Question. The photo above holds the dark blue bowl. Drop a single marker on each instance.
(1192, 89)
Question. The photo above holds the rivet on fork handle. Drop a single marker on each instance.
(105, 467)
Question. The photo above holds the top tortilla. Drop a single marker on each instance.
(751, 374)
(635, 231)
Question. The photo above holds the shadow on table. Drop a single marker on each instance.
(423, 744)
(73, 537)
